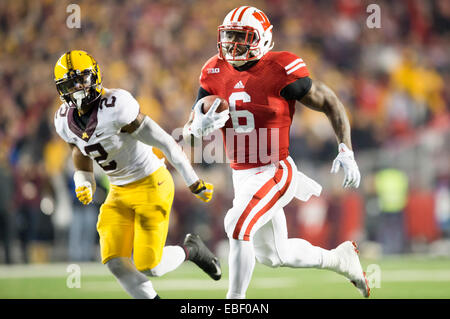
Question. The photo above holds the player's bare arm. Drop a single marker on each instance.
(80, 161)
(318, 96)
(321, 98)
(133, 126)
(84, 176)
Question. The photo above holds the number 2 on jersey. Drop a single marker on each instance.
(235, 115)
(102, 157)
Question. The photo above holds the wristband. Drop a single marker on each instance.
(81, 177)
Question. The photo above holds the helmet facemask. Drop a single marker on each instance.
(79, 88)
(238, 45)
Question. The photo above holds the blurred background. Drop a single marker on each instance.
(392, 81)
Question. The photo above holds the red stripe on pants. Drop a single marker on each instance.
(255, 199)
(271, 203)
(263, 191)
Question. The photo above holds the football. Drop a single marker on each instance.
(208, 102)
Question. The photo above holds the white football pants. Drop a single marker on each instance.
(256, 225)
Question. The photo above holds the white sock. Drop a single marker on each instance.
(330, 260)
(302, 254)
(241, 264)
(132, 281)
(172, 258)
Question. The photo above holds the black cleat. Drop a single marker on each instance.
(200, 255)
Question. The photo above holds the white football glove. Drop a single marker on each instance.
(346, 159)
(204, 124)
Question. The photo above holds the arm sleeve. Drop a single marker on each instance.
(152, 134)
(201, 94)
(297, 90)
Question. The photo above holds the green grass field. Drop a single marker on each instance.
(401, 277)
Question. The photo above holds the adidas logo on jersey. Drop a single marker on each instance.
(239, 85)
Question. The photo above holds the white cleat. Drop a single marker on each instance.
(350, 266)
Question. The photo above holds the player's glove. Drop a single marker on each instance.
(204, 124)
(346, 159)
(203, 191)
(84, 193)
(84, 186)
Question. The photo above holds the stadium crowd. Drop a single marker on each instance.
(393, 81)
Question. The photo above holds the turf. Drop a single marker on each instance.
(400, 277)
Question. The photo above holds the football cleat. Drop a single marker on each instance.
(199, 254)
(350, 266)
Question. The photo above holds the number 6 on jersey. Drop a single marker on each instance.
(235, 115)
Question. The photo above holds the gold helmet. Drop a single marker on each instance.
(78, 79)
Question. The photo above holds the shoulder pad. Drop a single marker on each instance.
(121, 105)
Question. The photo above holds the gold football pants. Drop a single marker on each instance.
(134, 219)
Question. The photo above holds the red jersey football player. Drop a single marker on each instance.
(261, 87)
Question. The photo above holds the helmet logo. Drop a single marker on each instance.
(59, 63)
(261, 17)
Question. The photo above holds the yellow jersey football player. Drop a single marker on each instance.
(106, 126)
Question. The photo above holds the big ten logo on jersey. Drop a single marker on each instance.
(213, 70)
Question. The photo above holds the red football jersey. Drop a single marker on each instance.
(257, 132)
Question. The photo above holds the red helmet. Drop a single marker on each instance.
(245, 35)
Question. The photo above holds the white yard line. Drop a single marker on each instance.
(415, 275)
(191, 284)
(50, 270)
(58, 270)
(422, 275)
